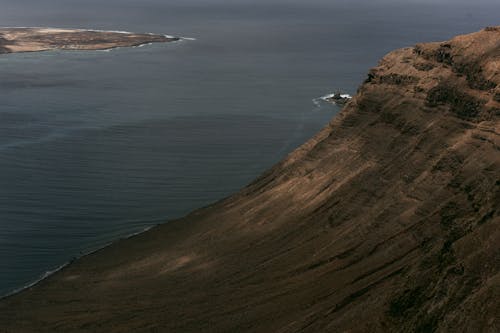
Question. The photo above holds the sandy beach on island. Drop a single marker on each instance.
(14, 40)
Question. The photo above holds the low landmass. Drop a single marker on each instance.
(386, 221)
(13, 40)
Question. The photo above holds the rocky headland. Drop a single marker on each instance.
(385, 221)
(13, 40)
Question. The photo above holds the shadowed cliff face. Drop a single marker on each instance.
(387, 220)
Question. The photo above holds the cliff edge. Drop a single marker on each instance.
(386, 221)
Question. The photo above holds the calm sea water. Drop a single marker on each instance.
(98, 145)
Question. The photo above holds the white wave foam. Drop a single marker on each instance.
(317, 101)
(142, 45)
(51, 272)
(42, 277)
(326, 97)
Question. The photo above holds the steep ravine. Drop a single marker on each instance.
(386, 221)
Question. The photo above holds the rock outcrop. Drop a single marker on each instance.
(386, 221)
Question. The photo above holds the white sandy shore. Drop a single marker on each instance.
(35, 39)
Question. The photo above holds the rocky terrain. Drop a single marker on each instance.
(14, 40)
(386, 221)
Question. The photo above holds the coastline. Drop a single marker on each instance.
(39, 39)
(165, 38)
(68, 263)
(361, 228)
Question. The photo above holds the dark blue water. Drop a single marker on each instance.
(97, 145)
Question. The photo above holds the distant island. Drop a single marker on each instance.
(13, 40)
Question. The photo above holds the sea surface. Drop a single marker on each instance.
(97, 145)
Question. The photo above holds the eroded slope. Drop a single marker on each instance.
(387, 221)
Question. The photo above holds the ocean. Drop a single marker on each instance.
(95, 146)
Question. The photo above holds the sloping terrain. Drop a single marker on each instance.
(386, 221)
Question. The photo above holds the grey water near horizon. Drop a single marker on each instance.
(95, 146)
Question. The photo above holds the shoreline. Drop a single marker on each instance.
(384, 220)
(164, 38)
(40, 39)
(68, 263)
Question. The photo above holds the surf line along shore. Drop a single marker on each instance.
(14, 40)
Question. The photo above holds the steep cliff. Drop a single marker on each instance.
(387, 220)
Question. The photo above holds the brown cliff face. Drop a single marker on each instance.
(387, 220)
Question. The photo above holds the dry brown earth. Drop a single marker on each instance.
(386, 221)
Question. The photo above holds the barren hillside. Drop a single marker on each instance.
(386, 221)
